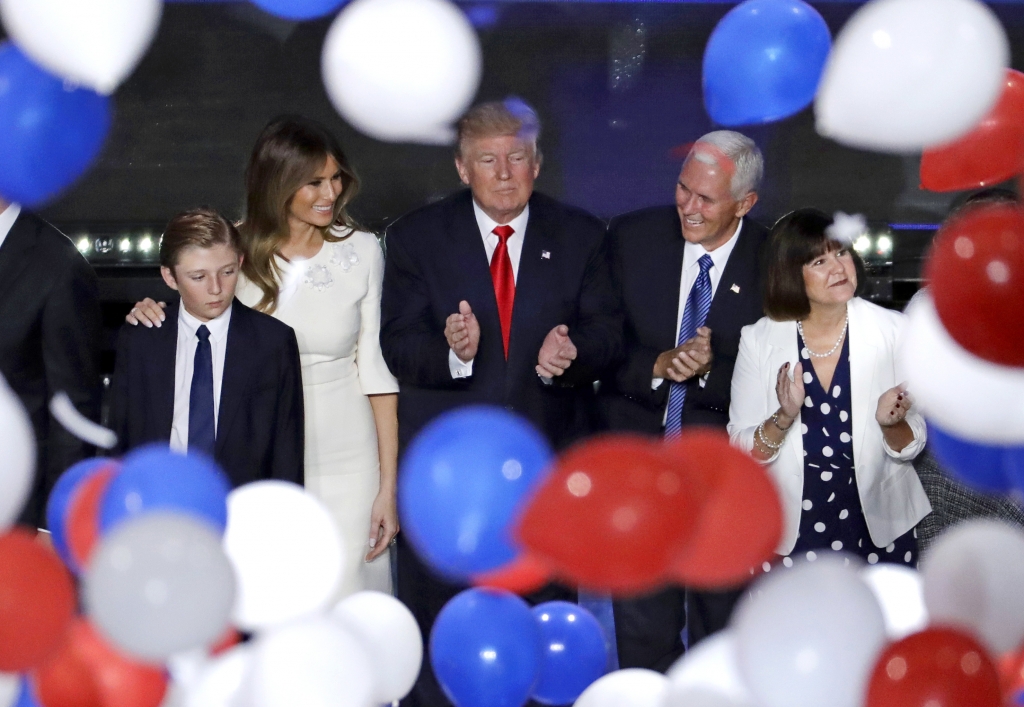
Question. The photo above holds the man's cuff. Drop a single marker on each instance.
(458, 367)
(656, 383)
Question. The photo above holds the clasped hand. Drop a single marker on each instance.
(692, 358)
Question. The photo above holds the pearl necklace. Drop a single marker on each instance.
(800, 328)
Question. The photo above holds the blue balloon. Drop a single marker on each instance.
(763, 61)
(574, 656)
(155, 478)
(26, 695)
(981, 466)
(486, 649)
(49, 132)
(462, 483)
(60, 498)
(299, 9)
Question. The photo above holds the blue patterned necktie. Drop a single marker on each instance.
(200, 400)
(694, 315)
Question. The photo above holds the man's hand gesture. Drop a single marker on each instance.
(463, 332)
(556, 353)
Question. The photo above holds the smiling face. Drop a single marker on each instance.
(206, 279)
(500, 172)
(707, 209)
(313, 204)
(831, 278)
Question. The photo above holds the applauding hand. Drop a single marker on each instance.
(790, 391)
(462, 330)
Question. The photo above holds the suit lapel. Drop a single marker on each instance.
(733, 286)
(670, 262)
(471, 264)
(864, 342)
(161, 362)
(235, 379)
(15, 253)
(534, 281)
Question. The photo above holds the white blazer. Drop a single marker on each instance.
(891, 495)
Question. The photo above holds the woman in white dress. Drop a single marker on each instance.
(308, 265)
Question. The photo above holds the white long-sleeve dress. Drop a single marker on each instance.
(332, 301)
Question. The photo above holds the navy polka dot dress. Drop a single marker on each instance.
(832, 518)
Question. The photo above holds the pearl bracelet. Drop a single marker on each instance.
(764, 440)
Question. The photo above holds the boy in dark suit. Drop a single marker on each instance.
(219, 379)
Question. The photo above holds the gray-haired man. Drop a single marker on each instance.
(690, 279)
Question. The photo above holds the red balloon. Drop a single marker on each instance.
(739, 524)
(976, 272)
(1011, 672)
(611, 516)
(102, 676)
(989, 154)
(938, 667)
(83, 520)
(523, 575)
(37, 601)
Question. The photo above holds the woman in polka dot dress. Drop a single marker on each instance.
(815, 397)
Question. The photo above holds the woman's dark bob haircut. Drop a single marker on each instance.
(796, 239)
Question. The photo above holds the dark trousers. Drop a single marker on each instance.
(426, 593)
(648, 628)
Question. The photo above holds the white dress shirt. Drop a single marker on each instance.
(10, 215)
(457, 366)
(184, 362)
(692, 253)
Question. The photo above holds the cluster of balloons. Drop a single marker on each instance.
(171, 564)
(483, 500)
(488, 647)
(67, 57)
(962, 353)
(902, 76)
(835, 633)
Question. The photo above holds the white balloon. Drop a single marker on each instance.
(632, 687)
(10, 689)
(973, 576)
(286, 551)
(809, 637)
(221, 679)
(905, 75)
(963, 394)
(402, 70)
(900, 592)
(17, 456)
(96, 43)
(707, 671)
(389, 633)
(313, 663)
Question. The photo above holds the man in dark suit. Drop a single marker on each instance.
(494, 295)
(218, 378)
(690, 279)
(50, 328)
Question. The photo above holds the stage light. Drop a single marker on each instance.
(125, 245)
(863, 244)
(84, 245)
(883, 246)
(145, 244)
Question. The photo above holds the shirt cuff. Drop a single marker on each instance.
(656, 383)
(458, 367)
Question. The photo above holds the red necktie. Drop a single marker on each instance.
(504, 282)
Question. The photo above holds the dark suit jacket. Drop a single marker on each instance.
(436, 257)
(50, 328)
(646, 251)
(260, 419)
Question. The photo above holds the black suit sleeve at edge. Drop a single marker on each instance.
(597, 333)
(414, 348)
(71, 330)
(634, 377)
(119, 391)
(289, 430)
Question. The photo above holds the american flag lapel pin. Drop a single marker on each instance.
(735, 288)
(546, 255)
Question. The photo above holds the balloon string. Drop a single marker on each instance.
(64, 411)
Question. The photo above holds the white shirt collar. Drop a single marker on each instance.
(487, 224)
(218, 327)
(692, 252)
(7, 219)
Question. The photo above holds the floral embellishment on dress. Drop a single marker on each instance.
(318, 277)
(344, 255)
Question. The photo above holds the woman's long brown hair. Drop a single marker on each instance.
(288, 154)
